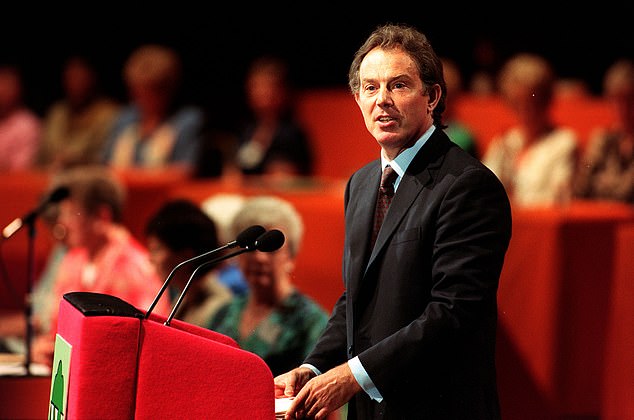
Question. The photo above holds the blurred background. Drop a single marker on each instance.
(566, 305)
(318, 38)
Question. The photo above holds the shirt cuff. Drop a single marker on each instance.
(363, 379)
(311, 367)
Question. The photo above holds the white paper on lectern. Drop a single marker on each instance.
(282, 404)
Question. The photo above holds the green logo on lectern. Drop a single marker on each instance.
(59, 381)
(56, 410)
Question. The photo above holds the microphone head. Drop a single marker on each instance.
(60, 193)
(270, 241)
(247, 237)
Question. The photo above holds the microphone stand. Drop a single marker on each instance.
(28, 301)
(266, 242)
(246, 238)
(191, 277)
(175, 269)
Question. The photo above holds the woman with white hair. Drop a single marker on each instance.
(274, 320)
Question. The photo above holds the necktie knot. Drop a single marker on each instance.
(387, 181)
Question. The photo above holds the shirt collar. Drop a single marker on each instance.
(403, 160)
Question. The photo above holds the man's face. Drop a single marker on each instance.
(393, 99)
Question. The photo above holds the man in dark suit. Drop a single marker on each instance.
(413, 335)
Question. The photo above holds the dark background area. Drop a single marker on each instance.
(318, 39)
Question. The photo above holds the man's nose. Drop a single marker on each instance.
(384, 97)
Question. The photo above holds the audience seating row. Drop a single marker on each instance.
(342, 143)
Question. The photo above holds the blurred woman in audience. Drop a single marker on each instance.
(20, 127)
(271, 141)
(178, 231)
(156, 130)
(606, 171)
(274, 320)
(535, 159)
(75, 127)
(102, 254)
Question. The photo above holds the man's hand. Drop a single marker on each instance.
(288, 384)
(323, 394)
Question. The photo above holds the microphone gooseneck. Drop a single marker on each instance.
(267, 242)
(246, 238)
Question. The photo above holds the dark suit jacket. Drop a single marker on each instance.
(420, 308)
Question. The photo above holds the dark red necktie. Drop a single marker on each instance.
(386, 192)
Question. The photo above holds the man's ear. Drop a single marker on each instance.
(434, 96)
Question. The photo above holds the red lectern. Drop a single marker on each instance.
(110, 362)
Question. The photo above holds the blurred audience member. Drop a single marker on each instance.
(486, 59)
(75, 127)
(606, 171)
(20, 127)
(156, 129)
(536, 158)
(271, 140)
(222, 207)
(572, 89)
(102, 254)
(458, 131)
(178, 231)
(275, 320)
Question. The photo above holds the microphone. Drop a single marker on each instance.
(246, 238)
(267, 242)
(57, 195)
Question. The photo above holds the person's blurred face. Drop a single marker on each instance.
(393, 99)
(161, 256)
(530, 103)
(266, 93)
(165, 259)
(10, 90)
(79, 82)
(263, 269)
(151, 99)
(79, 226)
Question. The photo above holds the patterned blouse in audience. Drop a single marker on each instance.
(283, 338)
(606, 171)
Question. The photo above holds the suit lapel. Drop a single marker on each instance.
(359, 220)
(420, 172)
(360, 213)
